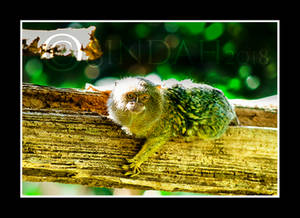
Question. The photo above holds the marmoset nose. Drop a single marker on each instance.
(135, 107)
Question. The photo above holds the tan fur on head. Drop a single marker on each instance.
(135, 103)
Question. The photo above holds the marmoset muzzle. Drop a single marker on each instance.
(135, 107)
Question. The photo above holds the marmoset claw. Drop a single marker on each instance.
(132, 169)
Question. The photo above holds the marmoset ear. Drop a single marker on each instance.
(116, 83)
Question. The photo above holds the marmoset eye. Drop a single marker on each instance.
(130, 95)
(144, 98)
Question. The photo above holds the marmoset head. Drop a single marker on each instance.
(135, 101)
(135, 97)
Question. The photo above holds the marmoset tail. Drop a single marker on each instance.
(157, 113)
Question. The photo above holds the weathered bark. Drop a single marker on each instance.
(261, 113)
(67, 138)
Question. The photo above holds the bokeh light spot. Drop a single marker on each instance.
(164, 68)
(234, 84)
(171, 27)
(91, 71)
(172, 41)
(214, 31)
(211, 75)
(234, 29)
(244, 71)
(194, 28)
(252, 82)
(34, 67)
(271, 71)
(75, 25)
(229, 48)
(142, 30)
(165, 71)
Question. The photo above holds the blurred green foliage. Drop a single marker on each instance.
(55, 189)
(31, 188)
(238, 58)
(49, 188)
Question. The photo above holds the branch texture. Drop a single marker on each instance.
(67, 138)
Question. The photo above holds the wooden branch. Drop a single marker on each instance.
(68, 139)
(261, 112)
(80, 43)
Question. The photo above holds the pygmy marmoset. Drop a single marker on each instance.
(158, 112)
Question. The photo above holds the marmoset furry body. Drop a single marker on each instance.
(158, 112)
